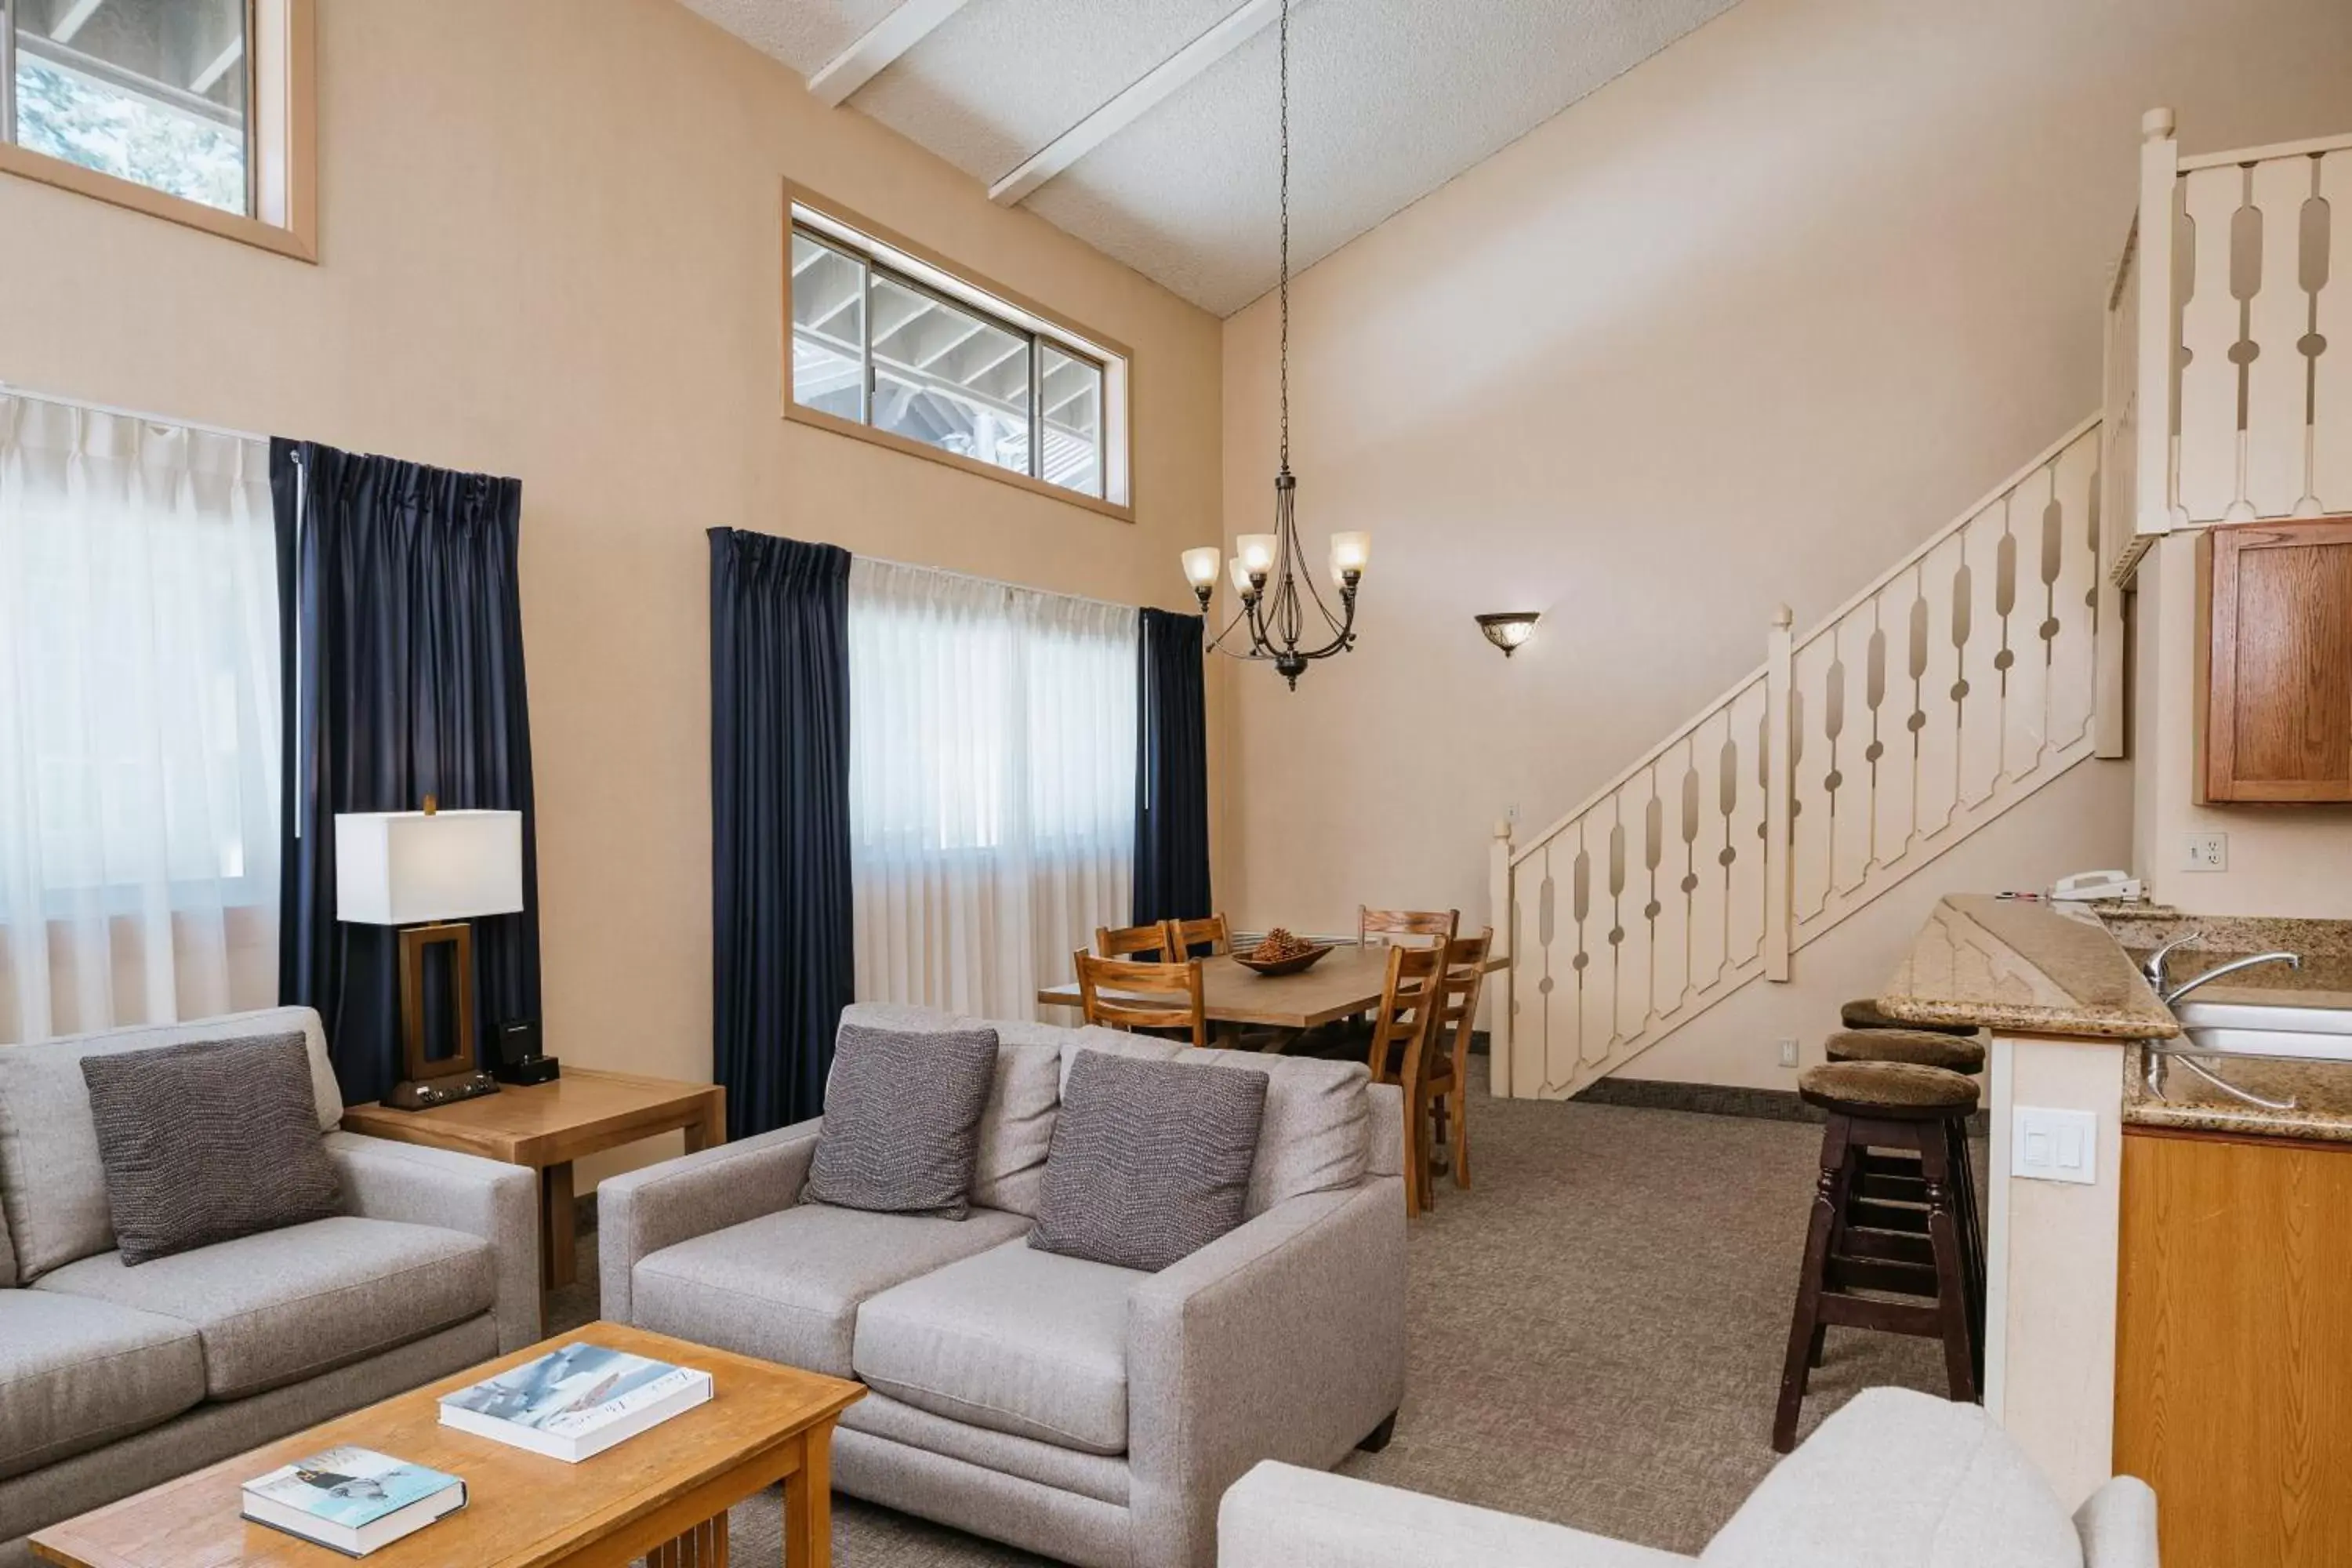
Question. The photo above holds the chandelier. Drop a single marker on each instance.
(1269, 570)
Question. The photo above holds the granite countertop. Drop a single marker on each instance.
(2023, 967)
(2320, 1093)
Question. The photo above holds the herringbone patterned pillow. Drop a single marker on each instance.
(902, 1120)
(206, 1142)
(1150, 1161)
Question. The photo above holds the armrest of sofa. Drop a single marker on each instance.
(1284, 1339)
(1279, 1516)
(2117, 1524)
(498, 1203)
(642, 1211)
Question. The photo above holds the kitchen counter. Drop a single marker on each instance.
(2320, 1091)
(2023, 967)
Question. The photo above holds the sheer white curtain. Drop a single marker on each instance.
(992, 784)
(139, 721)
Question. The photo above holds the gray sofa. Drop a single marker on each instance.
(114, 1379)
(1090, 1412)
(1894, 1480)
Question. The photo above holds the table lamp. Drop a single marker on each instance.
(429, 873)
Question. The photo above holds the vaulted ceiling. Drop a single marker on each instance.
(1147, 128)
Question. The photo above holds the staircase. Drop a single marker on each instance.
(1958, 684)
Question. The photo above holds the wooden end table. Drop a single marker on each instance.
(546, 1126)
(661, 1495)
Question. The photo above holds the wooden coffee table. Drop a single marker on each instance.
(663, 1495)
(546, 1126)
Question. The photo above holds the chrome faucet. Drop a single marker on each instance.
(2291, 959)
(2158, 1054)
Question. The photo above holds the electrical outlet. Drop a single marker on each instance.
(1511, 812)
(2205, 852)
(1788, 1053)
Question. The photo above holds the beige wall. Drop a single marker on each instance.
(2282, 859)
(551, 247)
(1738, 328)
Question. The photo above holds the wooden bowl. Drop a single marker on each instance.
(1291, 965)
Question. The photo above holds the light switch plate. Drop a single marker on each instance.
(2205, 852)
(2055, 1145)
(1788, 1053)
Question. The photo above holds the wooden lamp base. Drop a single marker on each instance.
(429, 1081)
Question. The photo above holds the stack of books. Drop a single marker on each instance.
(352, 1499)
(576, 1402)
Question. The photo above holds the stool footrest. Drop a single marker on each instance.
(1886, 1317)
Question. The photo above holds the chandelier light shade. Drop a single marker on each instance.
(1509, 629)
(1280, 601)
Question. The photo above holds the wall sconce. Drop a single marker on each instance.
(1506, 629)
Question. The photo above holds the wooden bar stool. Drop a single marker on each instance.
(1884, 1105)
(1863, 1013)
(1894, 1176)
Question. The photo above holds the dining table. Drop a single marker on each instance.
(1344, 982)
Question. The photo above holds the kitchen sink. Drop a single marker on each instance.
(2240, 1028)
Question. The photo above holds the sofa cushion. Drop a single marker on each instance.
(902, 1115)
(1901, 1480)
(1151, 1160)
(1014, 1340)
(1017, 1128)
(288, 1304)
(51, 1183)
(74, 1375)
(1317, 1134)
(206, 1142)
(786, 1287)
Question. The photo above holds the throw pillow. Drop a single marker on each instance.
(902, 1120)
(1150, 1161)
(207, 1142)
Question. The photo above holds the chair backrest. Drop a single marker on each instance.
(1418, 928)
(1210, 932)
(1407, 998)
(1132, 942)
(1120, 995)
(1454, 1015)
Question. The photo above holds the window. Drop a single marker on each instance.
(895, 346)
(992, 784)
(184, 108)
(139, 768)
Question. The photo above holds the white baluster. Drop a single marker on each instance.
(1851, 805)
(2210, 325)
(1597, 1000)
(2074, 652)
(1633, 999)
(2331, 402)
(2277, 403)
(1978, 712)
(1809, 765)
(1777, 674)
(1670, 931)
(2025, 684)
(1708, 906)
(1939, 779)
(1892, 791)
(1745, 889)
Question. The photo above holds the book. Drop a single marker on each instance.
(352, 1500)
(576, 1402)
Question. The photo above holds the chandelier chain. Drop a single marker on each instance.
(1286, 235)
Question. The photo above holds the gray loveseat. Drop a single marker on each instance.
(114, 1379)
(1090, 1412)
(1894, 1480)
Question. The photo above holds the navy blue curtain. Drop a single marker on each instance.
(1171, 771)
(400, 619)
(781, 916)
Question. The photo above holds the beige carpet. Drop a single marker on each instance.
(1596, 1333)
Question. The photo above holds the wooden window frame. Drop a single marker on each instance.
(839, 225)
(282, 136)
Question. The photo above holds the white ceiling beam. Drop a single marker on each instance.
(219, 67)
(77, 13)
(1132, 103)
(888, 39)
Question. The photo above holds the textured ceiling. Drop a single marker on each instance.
(1390, 98)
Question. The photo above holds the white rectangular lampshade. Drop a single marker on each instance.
(405, 868)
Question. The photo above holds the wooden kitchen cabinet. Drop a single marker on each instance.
(2274, 661)
(2234, 1346)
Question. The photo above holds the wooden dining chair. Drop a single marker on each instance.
(1436, 1071)
(1421, 928)
(1132, 942)
(1406, 1011)
(1119, 993)
(1210, 932)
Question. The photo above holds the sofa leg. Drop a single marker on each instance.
(1378, 1438)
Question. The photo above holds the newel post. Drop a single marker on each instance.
(1779, 670)
(1498, 915)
